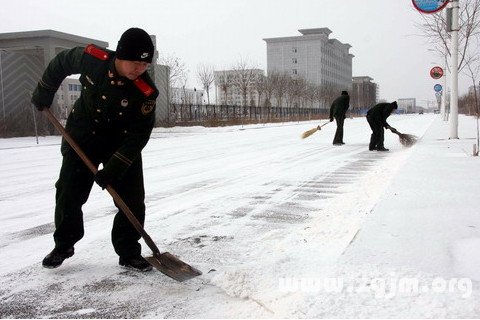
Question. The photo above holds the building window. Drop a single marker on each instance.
(294, 49)
(294, 71)
(294, 60)
(70, 87)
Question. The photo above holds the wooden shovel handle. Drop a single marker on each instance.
(118, 200)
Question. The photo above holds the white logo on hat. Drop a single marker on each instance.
(144, 55)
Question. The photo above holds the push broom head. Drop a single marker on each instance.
(407, 140)
(308, 133)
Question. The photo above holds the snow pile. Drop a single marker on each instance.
(235, 283)
(466, 258)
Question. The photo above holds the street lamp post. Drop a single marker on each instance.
(454, 77)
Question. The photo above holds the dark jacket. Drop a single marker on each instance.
(112, 110)
(340, 106)
(380, 112)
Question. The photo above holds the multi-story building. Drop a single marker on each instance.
(407, 105)
(186, 96)
(313, 56)
(364, 93)
(237, 87)
(67, 94)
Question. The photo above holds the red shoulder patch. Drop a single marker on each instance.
(143, 86)
(96, 52)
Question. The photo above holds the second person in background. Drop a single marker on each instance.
(338, 110)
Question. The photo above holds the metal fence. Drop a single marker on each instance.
(187, 114)
(218, 115)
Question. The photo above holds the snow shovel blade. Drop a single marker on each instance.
(173, 267)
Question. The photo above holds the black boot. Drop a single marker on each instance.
(137, 263)
(382, 149)
(55, 258)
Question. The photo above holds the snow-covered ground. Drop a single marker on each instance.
(281, 227)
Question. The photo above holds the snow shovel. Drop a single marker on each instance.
(308, 133)
(164, 262)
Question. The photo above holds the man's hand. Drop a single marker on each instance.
(103, 179)
(40, 107)
(331, 119)
(393, 130)
(41, 99)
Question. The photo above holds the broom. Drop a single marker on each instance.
(308, 133)
(407, 140)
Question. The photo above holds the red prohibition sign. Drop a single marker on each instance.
(436, 72)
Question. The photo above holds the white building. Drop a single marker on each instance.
(407, 105)
(187, 96)
(68, 92)
(315, 57)
(226, 81)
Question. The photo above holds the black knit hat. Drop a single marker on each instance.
(395, 105)
(344, 93)
(135, 45)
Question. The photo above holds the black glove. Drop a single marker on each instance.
(42, 99)
(393, 130)
(39, 107)
(103, 179)
(331, 119)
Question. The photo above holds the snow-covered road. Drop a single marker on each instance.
(247, 205)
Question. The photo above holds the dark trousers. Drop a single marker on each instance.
(73, 188)
(339, 133)
(377, 137)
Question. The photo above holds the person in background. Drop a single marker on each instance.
(111, 121)
(338, 110)
(377, 119)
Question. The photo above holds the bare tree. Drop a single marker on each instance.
(223, 81)
(291, 91)
(280, 84)
(473, 72)
(206, 76)
(310, 94)
(177, 71)
(269, 86)
(434, 30)
(260, 87)
(329, 92)
(186, 98)
(317, 95)
(244, 78)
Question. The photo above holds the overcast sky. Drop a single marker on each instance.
(384, 39)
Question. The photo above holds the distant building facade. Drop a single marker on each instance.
(229, 92)
(67, 94)
(364, 93)
(407, 105)
(187, 96)
(23, 59)
(313, 56)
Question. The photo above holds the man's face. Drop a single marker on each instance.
(131, 69)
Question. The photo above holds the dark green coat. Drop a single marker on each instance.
(112, 110)
(380, 112)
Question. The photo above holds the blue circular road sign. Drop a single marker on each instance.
(429, 6)
(437, 87)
